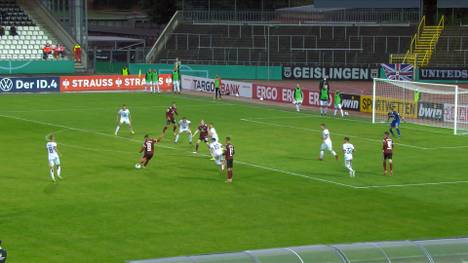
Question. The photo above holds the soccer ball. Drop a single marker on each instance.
(346, 113)
(261, 98)
(237, 94)
(137, 166)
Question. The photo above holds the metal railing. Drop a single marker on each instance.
(377, 16)
(163, 37)
(444, 250)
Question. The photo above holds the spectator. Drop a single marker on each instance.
(55, 52)
(46, 51)
(124, 71)
(77, 52)
(13, 31)
(61, 50)
(2, 31)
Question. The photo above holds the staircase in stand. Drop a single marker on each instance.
(422, 44)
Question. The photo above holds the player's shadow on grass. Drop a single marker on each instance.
(51, 189)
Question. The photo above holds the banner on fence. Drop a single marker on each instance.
(285, 95)
(32, 84)
(111, 83)
(351, 102)
(228, 87)
(449, 74)
(449, 113)
(335, 73)
(407, 109)
(431, 111)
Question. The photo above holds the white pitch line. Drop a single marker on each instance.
(409, 185)
(316, 130)
(240, 162)
(77, 129)
(103, 108)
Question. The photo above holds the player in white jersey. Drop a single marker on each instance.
(123, 117)
(327, 143)
(348, 150)
(216, 150)
(184, 126)
(212, 132)
(54, 159)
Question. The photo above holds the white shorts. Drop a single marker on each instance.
(54, 160)
(323, 103)
(125, 121)
(297, 101)
(348, 162)
(176, 85)
(218, 157)
(338, 106)
(326, 145)
(185, 130)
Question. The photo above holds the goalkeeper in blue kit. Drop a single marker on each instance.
(396, 119)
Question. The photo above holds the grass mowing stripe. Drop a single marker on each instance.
(319, 131)
(246, 163)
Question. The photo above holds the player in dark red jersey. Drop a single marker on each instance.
(229, 158)
(170, 119)
(148, 150)
(387, 150)
(203, 131)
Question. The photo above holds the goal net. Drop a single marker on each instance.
(431, 104)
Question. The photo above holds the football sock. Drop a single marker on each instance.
(190, 138)
(174, 129)
(59, 170)
(229, 174)
(297, 107)
(321, 154)
(177, 138)
(52, 174)
(335, 112)
(342, 114)
(391, 131)
(159, 90)
(391, 167)
(398, 131)
(165, 129)
(196, 147)
(117, 129)
(333, 152)
(385, 166)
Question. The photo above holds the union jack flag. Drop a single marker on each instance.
(398, 71)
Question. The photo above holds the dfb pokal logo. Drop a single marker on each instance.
(6, 84)
(287, 72)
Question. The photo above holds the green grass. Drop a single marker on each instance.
(107, 211)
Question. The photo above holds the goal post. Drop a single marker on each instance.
(430, 104)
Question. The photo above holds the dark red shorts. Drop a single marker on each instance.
(204, 138)
(148, 156)
(387, 156)
(229, 163)
(171, 121)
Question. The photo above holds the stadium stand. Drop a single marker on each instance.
(252, 39)
(27, 44)
(313, 44)
(452, 48)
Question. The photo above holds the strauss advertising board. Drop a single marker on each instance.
(228, 87)
(111, 83)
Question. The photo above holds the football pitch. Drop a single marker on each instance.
(105, 210)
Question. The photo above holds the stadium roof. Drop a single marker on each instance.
(452, 3)
(368, 4)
